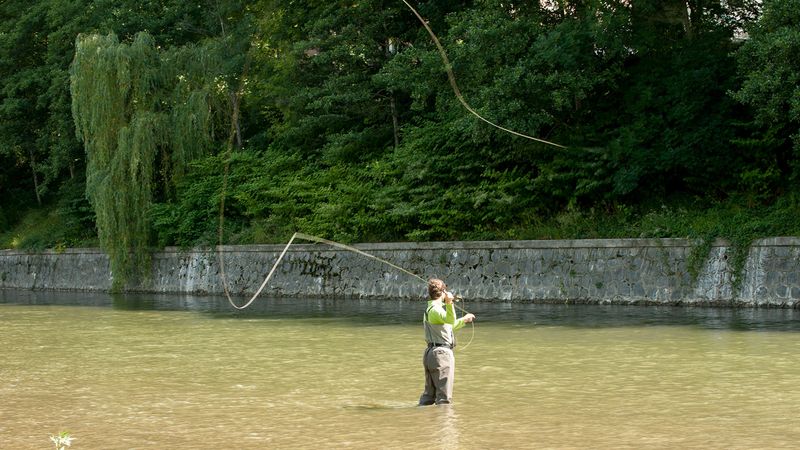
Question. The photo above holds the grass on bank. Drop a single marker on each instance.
(46, 228)
(66, 222)
(60, 226)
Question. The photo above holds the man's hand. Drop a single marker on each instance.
(448, 298)
(469, 318)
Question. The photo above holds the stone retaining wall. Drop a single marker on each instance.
(620, 271)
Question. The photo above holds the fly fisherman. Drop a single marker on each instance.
(438, 360)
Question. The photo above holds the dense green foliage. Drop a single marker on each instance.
(346, 125)
(770, 65)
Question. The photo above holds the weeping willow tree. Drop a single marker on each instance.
(143, 114)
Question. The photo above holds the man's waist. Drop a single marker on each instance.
(440, 344)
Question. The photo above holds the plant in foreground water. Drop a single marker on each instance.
(62, 441)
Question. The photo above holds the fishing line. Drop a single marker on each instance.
(452, 78)
(320, 240)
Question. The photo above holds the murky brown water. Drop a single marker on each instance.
(322, 375)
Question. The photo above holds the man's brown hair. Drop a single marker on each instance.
(436, 288)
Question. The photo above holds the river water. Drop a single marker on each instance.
(191, 372)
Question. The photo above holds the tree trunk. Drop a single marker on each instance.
(678, 11)
(235, 119)
(395, 122)
(35, 177)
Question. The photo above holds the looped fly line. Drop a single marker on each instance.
(311, 238)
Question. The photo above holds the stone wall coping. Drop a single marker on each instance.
(781, 241)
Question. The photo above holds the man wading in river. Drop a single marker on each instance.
(440, 322)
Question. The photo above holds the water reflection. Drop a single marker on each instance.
(448, 423)
(388, 311)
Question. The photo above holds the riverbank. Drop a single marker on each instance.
(607, 271)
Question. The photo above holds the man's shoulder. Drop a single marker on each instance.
(435, 307)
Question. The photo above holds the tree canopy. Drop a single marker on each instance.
(344, 124)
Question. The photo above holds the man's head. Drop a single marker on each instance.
(436, 288)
